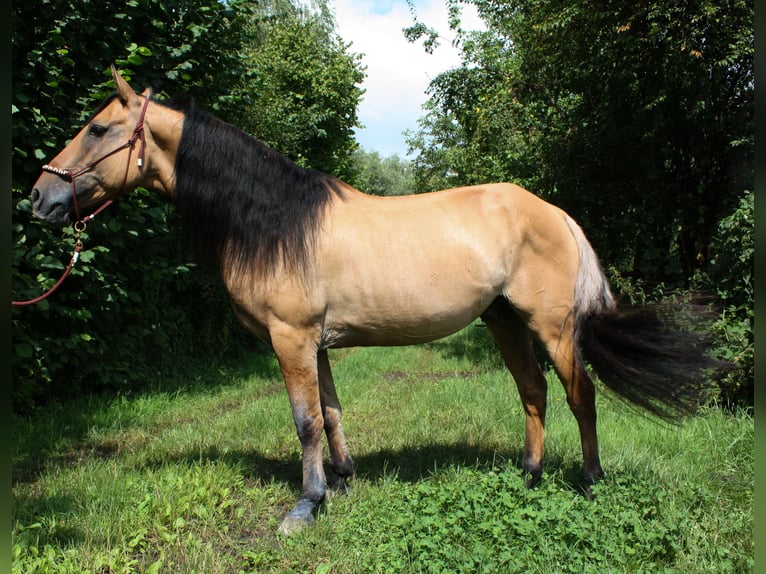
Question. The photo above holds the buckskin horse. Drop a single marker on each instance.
(310, 264)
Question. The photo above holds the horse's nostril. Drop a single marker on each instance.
(35, 195)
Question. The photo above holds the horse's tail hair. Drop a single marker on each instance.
(654, 356)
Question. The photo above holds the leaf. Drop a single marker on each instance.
(24, 350)
(133, 542)
(114, 225)
(50, 262)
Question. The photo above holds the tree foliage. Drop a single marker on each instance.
(61, 52)
(382, 175)
(635, 118)
(139, 305)
(301, 90)
(732, 273)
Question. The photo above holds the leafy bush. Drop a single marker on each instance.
(731, 276)
(134, 307)
(119, 317)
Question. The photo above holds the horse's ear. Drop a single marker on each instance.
(147, 93)
(124, 91)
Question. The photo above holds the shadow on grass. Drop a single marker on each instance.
(38, 520)
(58, 434)
(415, 464)
(407, 465)
(476, 345)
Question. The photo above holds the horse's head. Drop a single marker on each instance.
(104, 160)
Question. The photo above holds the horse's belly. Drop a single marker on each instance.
(385, 336)
(405, 314)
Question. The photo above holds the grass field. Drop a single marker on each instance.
(195, 478)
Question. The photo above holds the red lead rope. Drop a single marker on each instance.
(70, 175)
(72, 262)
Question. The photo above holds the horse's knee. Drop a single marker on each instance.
(582, 406)
(309, 427)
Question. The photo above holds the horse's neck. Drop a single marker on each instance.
(166, 128)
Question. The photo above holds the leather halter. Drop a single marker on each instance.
(70, 174)
(80, 223)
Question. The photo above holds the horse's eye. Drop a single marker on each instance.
(97, 130)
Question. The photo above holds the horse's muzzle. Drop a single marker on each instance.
(53, 208)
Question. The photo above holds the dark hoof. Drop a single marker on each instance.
(590, 480)
(532, 478)
(339, 485)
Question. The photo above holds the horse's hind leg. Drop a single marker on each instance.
(559, 341)
(342, 464)
(515, 343)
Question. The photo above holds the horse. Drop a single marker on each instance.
(310, 264)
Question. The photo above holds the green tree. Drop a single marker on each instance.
(382, 176)
(61, 52)
(635, 118)
(119, 317)
(732, 275)
(301, 90)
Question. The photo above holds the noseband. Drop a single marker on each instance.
(70, 174)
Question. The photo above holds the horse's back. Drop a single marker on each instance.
(488, 226)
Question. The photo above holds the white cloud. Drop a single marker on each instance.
(398, 72)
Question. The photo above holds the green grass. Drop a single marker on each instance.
(196, 478)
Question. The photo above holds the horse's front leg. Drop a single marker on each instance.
(297, 354)
(342, 464)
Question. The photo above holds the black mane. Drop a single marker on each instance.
(244, 201)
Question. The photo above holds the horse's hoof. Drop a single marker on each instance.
(532, 478)
(590, 480)
(339, 485)
(299, 517)
(292, 524)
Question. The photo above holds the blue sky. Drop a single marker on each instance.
(398, 72)
(382, 6)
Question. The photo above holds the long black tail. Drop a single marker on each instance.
(656, 357)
